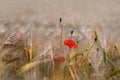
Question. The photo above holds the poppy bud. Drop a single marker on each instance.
(60, 20)
(72, 32)
(77, 41)
(96, 36)
(97, 49)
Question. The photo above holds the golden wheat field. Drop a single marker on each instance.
(58, 51)
(59, 40)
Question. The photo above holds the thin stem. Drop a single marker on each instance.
(87, 53)
(71, 72)
(61, 41)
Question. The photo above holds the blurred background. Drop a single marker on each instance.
(73, 11)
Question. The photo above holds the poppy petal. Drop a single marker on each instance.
(59, 58)
(93, 78)
(70, 43)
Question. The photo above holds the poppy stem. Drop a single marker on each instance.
(68, 56)
(61, 34)
(72, 34)
(61, 41)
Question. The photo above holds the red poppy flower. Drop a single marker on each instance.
(58, 58)
(70, 43)
(93, 78)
